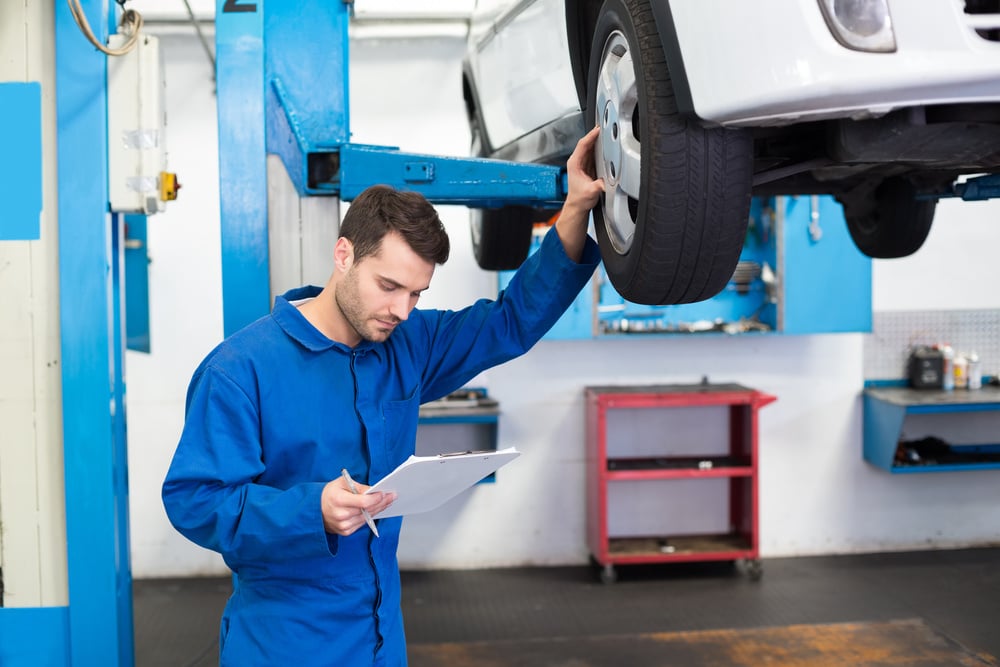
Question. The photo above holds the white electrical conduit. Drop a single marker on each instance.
(131, 24)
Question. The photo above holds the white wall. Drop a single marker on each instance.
(956, 269)
(817, 495)
(32, 498)
(185, 301)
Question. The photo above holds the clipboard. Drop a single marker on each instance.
(422, 483)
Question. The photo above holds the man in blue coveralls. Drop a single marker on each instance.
(332, 379)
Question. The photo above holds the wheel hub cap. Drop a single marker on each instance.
(619, 149)
(611, 149)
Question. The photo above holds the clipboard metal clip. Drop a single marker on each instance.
(468, 452)
(422, 483)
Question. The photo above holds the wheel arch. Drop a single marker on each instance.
(473, 109)
(581, 19)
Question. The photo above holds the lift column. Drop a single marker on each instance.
(286, 161)
(91, 331)
(66, 588)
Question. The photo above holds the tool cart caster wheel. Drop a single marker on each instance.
(608, 574)
(754, 568)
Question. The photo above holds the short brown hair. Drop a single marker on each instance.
(381, 209)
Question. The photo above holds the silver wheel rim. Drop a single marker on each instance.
(618, 150)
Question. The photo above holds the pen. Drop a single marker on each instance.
(354, 489)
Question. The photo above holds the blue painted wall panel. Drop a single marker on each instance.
(34, 637)
(827, 283)
(21, 167)
(136, 284)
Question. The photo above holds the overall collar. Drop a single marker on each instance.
(294, 323)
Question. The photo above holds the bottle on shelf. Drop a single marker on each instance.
(961, 364)
(975, 371)
(948, 367)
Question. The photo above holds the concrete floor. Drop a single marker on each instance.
(955, 593)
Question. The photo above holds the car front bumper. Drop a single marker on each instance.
(791, 69)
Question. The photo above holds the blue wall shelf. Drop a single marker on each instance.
(466, 420)
(886, 407)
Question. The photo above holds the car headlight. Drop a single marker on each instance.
(863, 25)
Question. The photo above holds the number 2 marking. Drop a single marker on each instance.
(236, 6)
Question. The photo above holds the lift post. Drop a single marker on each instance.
(91, 241)
(67, 584)
(282, 73)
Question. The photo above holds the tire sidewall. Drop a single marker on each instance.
(615, 17)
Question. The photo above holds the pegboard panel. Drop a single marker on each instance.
(887, 347)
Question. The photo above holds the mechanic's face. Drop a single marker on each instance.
(379, 292)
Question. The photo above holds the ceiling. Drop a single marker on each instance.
(175, 10)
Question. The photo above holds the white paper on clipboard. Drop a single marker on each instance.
(423, 483)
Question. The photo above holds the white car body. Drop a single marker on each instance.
(522, 96)
(747, 63)
(886, 105)
(776, 62)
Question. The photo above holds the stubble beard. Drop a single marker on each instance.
(349, 303)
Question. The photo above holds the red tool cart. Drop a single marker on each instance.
(708, 452)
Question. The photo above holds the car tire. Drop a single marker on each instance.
(501, 237)
(891, 222)
(673, 217)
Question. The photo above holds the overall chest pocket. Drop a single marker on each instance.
(399, 430)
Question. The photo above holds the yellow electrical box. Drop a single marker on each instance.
(168, 186)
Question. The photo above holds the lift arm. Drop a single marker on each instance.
(281, 94)
(320, 167)
(977, 189)
(474, 182)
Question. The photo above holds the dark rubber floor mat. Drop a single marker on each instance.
(909, 643)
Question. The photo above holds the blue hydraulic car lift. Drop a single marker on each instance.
(95, 627)
(282, 78)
